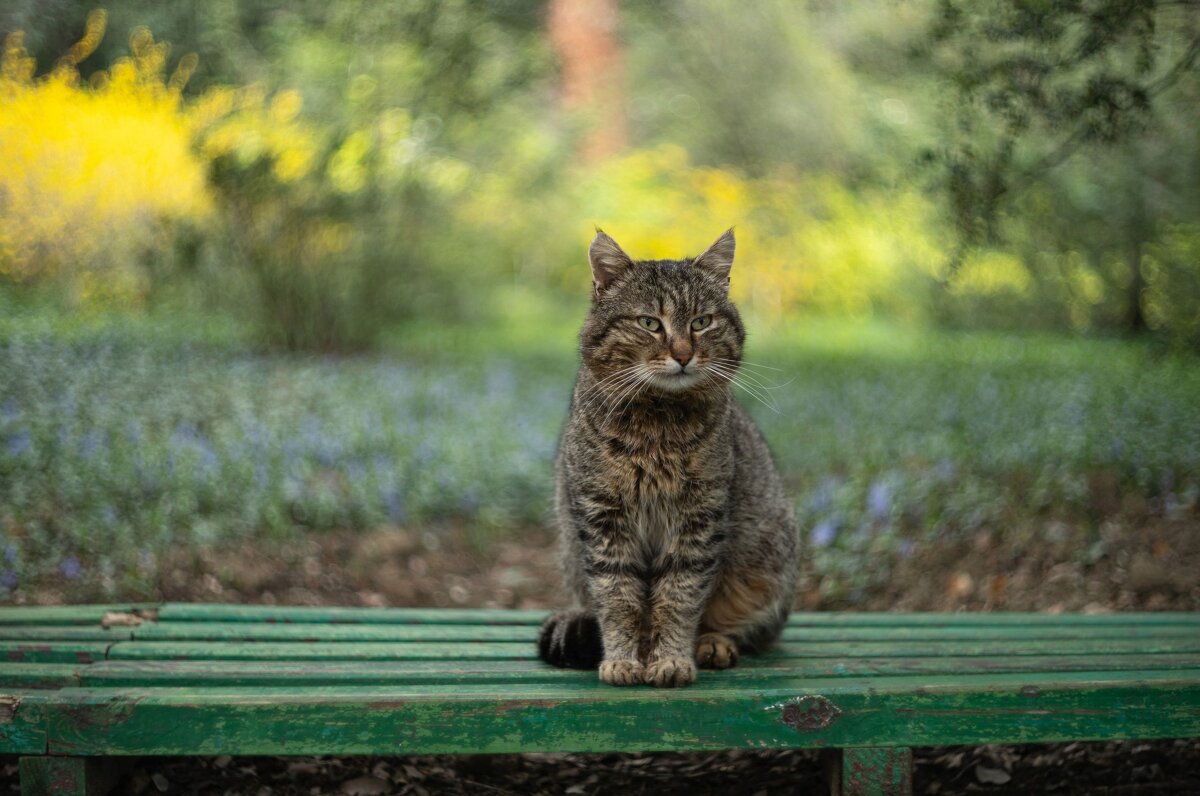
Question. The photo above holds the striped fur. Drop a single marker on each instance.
(679, 543)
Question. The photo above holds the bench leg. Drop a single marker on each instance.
(68, 776)
(870, 771)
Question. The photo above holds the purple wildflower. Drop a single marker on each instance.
(70, 568)
(823, 534)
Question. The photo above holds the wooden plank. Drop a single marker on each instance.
(314, 631)
(301, 651)
(750, 672)
(67, 614)
(22, 722)
(502, 650)
(871, 771)
(68, 776)
(216, 612)
(38, 675)
(219, 612)
(1019, 708)
(64, 633)
(53, 651)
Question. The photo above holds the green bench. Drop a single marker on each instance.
(82, 684)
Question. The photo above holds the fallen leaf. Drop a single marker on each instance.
(365, 786)
(160, 782)
(119, 619)
(992, 776)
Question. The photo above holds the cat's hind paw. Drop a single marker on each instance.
(715, 651)
(621, 672)
(669, 672)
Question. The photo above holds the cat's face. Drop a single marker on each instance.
(662, 325)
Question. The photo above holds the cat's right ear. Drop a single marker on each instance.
(608, 261)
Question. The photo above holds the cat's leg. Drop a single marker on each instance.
(686, 571)
(746, 614)
(716, 651)
(616, 589)
(618, 597)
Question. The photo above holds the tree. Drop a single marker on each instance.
(1039, 82)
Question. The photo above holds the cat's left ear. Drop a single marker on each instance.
(717, 259)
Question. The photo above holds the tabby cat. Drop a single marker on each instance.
(679, 544)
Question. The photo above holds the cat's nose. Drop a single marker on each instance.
(682, 359)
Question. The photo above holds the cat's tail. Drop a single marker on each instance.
(571, 640)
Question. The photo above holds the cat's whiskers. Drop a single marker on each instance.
(594, 394)
(738, 381)
(643, 378)
(729, 362)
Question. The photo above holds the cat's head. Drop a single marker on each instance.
(662, 325)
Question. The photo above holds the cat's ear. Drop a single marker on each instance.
(608, 261)
(717, 259)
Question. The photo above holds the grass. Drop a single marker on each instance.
(119, 441)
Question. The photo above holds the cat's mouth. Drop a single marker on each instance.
(677, 381)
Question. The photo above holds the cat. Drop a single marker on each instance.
(679, 545)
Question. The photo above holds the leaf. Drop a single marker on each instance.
(365, 786)
(992, 776)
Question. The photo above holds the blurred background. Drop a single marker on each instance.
(289, 291)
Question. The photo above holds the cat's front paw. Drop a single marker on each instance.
(621, 672)
(715, 651)
(669, 672)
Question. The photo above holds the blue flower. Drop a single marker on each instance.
(8, 579)
(70, 568)
(10, 553)
(824, 533)
(879, 500)
(906, 548)
(19, 443)
(9, 410)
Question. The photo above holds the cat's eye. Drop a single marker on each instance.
(648, 323)
(701, 322)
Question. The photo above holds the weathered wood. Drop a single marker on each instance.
(313, 631)
(68, 614)
(64, 633)
(870, 771)
(22, 722)
(504, 650)
(38, 675)
(814, 713)
(16, 651)
(751, 671)
(219, 612)
(68, 776)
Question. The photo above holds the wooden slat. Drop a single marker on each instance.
(210, 612)
(313, 631)
(53, 651)
(64, 633)
(996, 708)
(752, 671)
(501, 650)
(38, 675)
(200, 612)
(67, 614)
(23, 722)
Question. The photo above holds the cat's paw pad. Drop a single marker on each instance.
(621, 672)
(715, 651)
(669, 672)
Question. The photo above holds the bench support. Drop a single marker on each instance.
(68, 776)
(870, 771)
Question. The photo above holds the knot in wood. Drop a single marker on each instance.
(810, 712)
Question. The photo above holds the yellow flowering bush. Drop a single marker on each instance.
(90, 169)
(804, 242)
